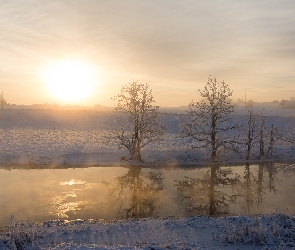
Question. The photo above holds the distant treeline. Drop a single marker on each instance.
(288, 104)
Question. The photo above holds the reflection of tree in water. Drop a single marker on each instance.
(272, 171)
(203, 196)
(137, 193)
(250, 191)
(288, 169)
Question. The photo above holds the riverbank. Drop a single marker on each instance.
(274, 231)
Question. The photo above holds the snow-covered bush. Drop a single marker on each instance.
(20, 236)
(276, 230)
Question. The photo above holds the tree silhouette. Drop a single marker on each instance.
(137, 123)
(252, 128)
(209, 122)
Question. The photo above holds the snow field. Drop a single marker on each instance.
(67, 136)
(237, 232)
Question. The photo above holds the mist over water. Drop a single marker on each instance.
(112, 193)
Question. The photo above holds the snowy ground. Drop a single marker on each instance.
(50, 137)
(264, 232)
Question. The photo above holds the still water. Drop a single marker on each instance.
(111, 193)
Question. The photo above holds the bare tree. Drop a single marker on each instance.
(261, 137)
(260, 134)
(137, 123)
(209, 122)
(252, 128)
(268, 138)
(289, 135)
(274, 137)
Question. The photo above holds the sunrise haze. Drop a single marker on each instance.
(171, 45)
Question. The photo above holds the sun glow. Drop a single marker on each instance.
(70, 81)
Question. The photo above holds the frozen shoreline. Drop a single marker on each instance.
(199, 232)
(96, 163)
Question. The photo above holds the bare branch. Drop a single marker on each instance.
(208, 121)
(137, 123)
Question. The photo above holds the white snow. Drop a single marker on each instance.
(50, 137)
(272, 232)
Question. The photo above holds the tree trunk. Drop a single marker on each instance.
(248, 150)
(213, 140)
(271, 143)
(136, 155)
(261, 141)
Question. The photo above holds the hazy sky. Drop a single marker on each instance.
(172, 45)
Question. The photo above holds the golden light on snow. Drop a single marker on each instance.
(71, 80)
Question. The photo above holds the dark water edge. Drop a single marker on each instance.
(39, 193)
(66, 165)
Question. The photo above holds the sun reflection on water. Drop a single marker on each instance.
(68, 201)
(64, 208)
(72, 182)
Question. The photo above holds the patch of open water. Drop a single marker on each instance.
(112, 193)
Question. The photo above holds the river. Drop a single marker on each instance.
(119, 192)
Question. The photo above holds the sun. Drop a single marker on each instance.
(70, 81)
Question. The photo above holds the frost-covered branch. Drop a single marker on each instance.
(137, 123)
(209, 121)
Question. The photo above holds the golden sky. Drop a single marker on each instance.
(172, 45)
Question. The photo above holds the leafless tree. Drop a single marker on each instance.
(259, 133)
(252, 128)
(268, 138)
(137, 121)
(274, 137)
(261, 137)
(289, 135)
(208, 123)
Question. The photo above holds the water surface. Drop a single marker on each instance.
(111, 193)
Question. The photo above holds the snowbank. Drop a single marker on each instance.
(271, 231)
